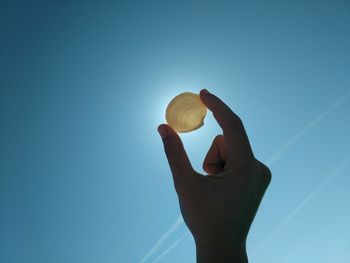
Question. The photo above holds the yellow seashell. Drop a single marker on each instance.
(185, 112)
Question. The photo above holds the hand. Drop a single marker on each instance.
(218, 208)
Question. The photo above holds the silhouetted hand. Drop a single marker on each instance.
(218, 208)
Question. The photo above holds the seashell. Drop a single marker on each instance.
(185, 112)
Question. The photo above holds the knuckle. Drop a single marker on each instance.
(238, 120)
(219, 137)
(263, 174)
(235, 122)
(266, 173)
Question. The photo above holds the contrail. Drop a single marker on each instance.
(270, 161)
(301, 133)
(170, 248)
(301, 205)
(160, 242)
(289, 258)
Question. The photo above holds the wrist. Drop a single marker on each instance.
(223, 252)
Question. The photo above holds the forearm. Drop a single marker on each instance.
(220, 253)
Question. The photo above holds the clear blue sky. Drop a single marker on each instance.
(83, 86)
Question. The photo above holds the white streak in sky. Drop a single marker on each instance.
(302, 132)
(296, 253)
(170, 248)
(301, 205)
(160, 242)
(270, 161)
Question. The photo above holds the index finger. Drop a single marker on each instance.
(234, 133)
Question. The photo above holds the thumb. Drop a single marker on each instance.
(179, 163)
(216, 158)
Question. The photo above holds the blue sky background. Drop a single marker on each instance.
(83, 86)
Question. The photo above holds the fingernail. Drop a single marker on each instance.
(162, 131)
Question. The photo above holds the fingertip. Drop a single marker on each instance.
(209, 100)
(163, 131)
(204, 92)
(161, 126)
(211, 169)
(203, 95)
(167, 131)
